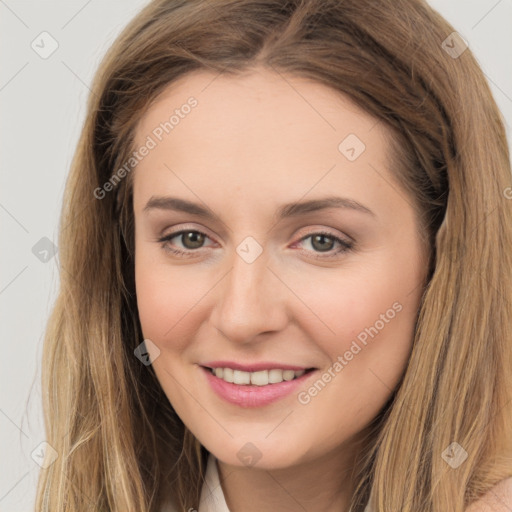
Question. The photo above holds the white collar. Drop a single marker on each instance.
(212, 496)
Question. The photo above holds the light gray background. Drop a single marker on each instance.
(42, 111)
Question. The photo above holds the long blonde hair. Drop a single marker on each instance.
(121, 446)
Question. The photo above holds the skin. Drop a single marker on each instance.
(254, 142)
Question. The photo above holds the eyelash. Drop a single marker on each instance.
(344, 245)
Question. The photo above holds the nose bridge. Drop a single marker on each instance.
(250, 300)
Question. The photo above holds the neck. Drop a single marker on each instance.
(321, 485)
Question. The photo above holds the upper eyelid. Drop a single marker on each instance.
(186, 228)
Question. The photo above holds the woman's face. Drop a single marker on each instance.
(299, 258)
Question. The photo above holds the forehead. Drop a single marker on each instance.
(260, 105)
(257, 134)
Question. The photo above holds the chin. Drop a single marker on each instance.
(258, 453)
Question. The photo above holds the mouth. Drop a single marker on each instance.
(267, 377)
(255, 385)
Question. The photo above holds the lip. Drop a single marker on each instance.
(249, 396)
(253, 367)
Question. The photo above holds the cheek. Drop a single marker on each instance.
(373, 323)
(165, 299)
(368, 317)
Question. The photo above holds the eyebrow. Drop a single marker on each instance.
(294, 209)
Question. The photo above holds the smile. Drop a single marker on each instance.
(256, 388)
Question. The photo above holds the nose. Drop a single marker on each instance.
(250, 301)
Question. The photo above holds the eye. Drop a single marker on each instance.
(191, 240)
(323, 243)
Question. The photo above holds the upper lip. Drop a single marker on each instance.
(254, 367)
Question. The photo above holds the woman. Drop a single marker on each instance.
(287, 269)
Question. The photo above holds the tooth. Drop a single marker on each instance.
(288, 374)
(228, 374)
(240, 377)
(259, 378)
(275, 376)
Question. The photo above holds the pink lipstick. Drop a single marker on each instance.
(254, 385)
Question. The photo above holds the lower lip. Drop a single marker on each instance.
(250, 395)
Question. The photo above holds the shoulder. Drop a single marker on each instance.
(498, 499)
